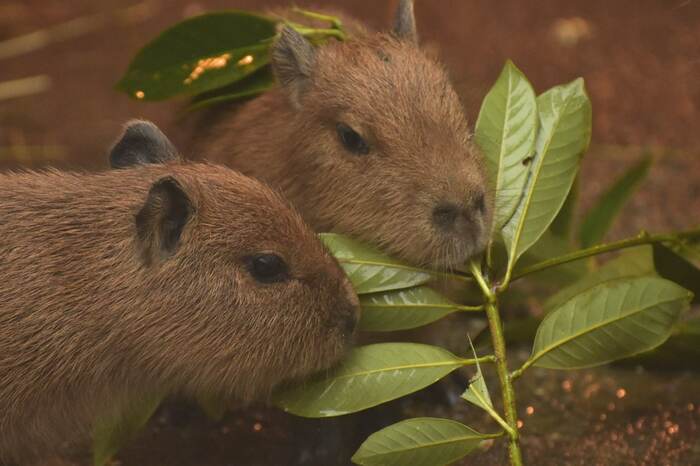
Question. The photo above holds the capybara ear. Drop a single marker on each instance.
(162, 218)
(293, 59)
(405, 21)
(141, 143)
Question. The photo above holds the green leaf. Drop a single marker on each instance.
(601, 216)
(505, 131)
(423, 441)
(478, 393)
(255, 84)
(200, 54)
(681, 264)
(633, 262)
(565, 129)
(113, 432)
(608, 322)
(404, 309)
(369, 270)
(369, 376)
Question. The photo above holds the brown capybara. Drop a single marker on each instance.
(366, 137)
(171, 278)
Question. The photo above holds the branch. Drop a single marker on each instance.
(641, 239)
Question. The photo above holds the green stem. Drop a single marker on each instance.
(496, 435)
(470, 308)
(335, 22)
(518, 372)
(641, 239)
(323, 33)
(471, 361)
(499, 348)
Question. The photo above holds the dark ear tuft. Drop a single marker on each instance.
(141, 143)
(293, 59)
(162, 218)
(405, 21)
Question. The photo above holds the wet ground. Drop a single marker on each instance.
(641, 62)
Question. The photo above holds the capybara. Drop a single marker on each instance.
(166, 278)
(366, 137)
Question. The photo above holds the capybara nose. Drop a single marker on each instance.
(451, 216)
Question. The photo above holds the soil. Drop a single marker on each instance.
(641, 63)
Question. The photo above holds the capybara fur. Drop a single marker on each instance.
(366, 137)
(156, 279)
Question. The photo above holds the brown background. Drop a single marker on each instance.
(641, 63)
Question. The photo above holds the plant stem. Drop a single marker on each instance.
(472, 362)
(641, 239)
(499, 348)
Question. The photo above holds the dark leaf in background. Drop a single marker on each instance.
(200, 54)
(602, 215)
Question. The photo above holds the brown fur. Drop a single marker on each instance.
(401, 101)
(88, 326)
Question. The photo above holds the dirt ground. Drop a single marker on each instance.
(640, 60)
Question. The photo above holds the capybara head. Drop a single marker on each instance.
(387, 144)
(369, 139)
(247, 294)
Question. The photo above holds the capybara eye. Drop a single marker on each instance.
(352, 140)
(267, 268)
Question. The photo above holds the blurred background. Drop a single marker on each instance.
(60, 60)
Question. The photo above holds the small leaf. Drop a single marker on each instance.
(633, 262)
(403, 309)
(478, 393)
(505, 131)
(200, 54)
(369, 270)
(565, 129)
(601, 216)
(422, 441)
(113, 432)
(369, 376)
(610, 321)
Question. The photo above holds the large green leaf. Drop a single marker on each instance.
(200, 54)
(404, 309)
(601, 216)
(610, 321)
(113, 432)
(565, 129)
(423, 441)
(369, 376)
(369, 270)
(505, 131)
(633, 262)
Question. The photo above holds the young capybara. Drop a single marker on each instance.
(168, 278)
(366, 137)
